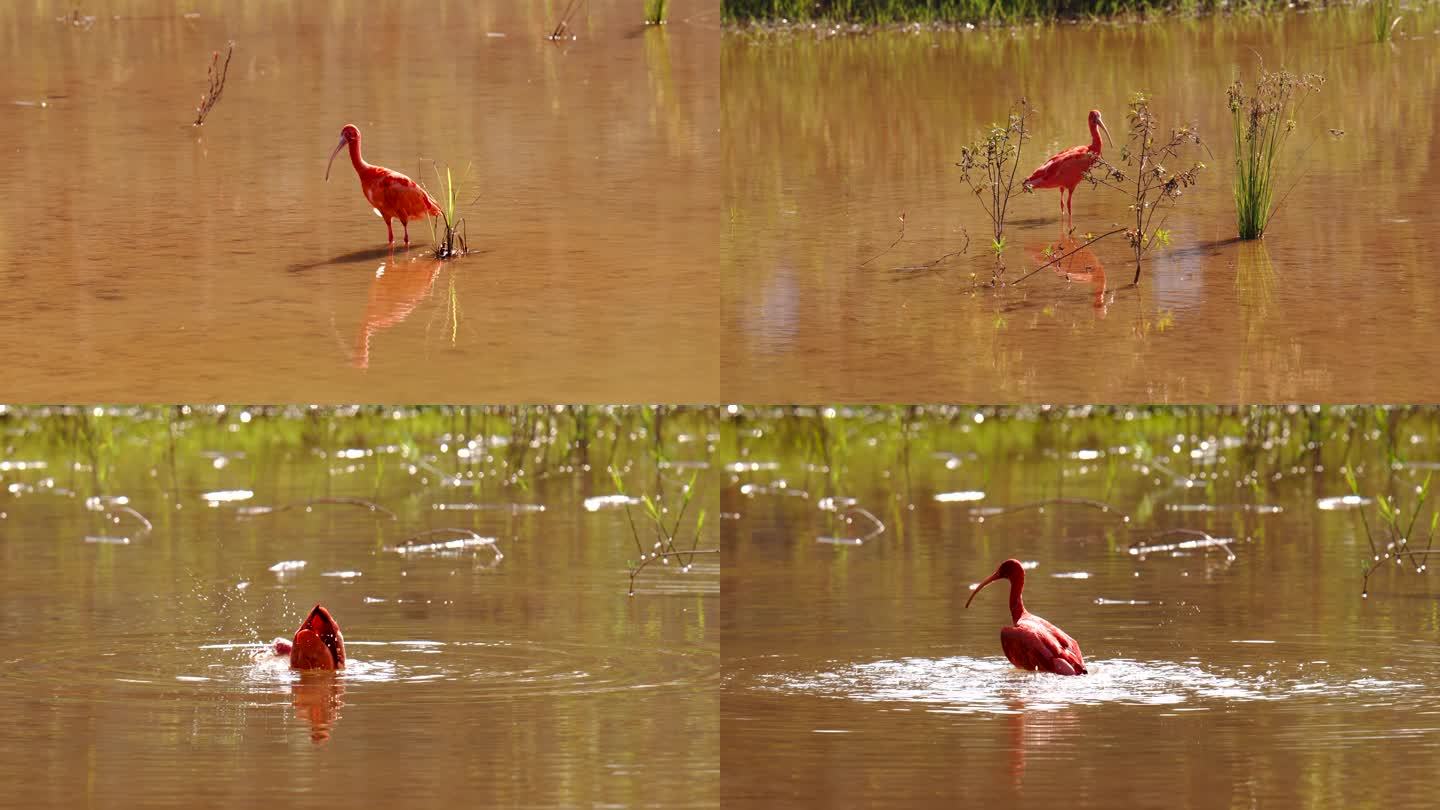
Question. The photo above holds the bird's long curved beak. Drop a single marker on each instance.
(1106, 130)
(980, 587)
(338, 147)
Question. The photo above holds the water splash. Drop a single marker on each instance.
(962, 685)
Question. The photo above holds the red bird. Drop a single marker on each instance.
(1032, 643)
(1065, 170)
(393, 195)
(318, 643)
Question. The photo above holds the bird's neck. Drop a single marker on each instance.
(1017, 607)
(1095, 139)
(355, 159)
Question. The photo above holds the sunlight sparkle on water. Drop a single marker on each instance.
(1342, 502)
(598, 502)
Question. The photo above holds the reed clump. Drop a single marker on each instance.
(449, 239)
(989, 167)
(1383, 18)
(1262, 123)
(218, 72)
(655, 11)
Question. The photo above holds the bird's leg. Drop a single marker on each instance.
(406, 226)
(389, 232)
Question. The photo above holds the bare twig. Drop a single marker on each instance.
(562, 28)
(217, 74)
(1064, 256)
(892, 244)
(911, 268)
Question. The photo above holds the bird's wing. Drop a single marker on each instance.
(401, 195)
(1056, 641)
(1058, 163)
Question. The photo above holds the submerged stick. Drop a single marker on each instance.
(1203, 540)
(255, 511)
(997, 511)
(877, 528)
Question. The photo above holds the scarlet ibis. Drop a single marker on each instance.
(318, 643)
(394, 195)
(1065, 169)
(1031, 642)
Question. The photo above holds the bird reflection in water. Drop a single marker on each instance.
(318, 698)
(1033, 729)
(1079, 265)
(399, 286)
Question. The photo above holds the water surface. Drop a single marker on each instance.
(854, 675)
(513, 670)
(146, 259)
(829, 141)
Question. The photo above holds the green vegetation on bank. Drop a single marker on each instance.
(961, 11)
(478, 447)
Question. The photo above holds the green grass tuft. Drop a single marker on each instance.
(1262, 124)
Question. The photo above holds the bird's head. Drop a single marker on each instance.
(1011, 569)
(1097, 123)
(348, 135)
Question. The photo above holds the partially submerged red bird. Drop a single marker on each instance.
(1066, 169)
(393, 195)
(318, 643)
(1031, 642)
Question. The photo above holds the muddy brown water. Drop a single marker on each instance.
(148, 260)
(129, 668)
(828, 141)
(854, 675)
